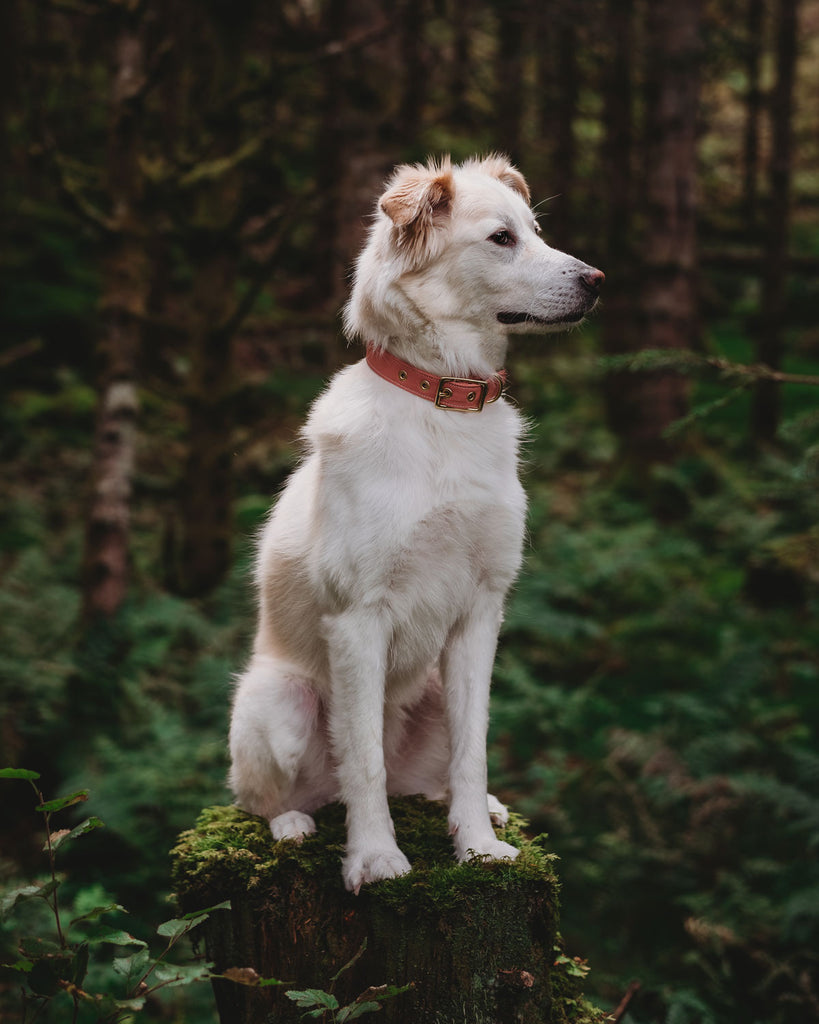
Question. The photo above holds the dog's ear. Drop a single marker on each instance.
(498, 166)
(418, 200)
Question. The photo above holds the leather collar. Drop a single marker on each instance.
(462, 394)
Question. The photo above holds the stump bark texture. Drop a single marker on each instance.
(476, 942)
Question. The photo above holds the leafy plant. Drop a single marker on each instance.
(319, 1003)
(51, 971)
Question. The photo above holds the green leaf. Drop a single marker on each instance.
(80, 830)
(134, 965)
(18, 773)
(176, 928)
(44, 977)
(26, 892)
(313, 997)
(224, 905)
(62, 802)
(118, 938)
(22, 966)
(98, 912)
(108, 1008)
(355, 1010)
(370, 1000)
(79, 966)
(173, 975)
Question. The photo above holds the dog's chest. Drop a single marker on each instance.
(422, 514)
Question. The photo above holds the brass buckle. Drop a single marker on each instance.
(445, 392)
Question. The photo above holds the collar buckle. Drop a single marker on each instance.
(472, 393)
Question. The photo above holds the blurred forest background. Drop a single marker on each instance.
(184, 186)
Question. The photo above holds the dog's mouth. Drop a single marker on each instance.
(529, 318)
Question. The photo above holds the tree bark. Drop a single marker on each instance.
(617, 326)
(125, 286)
(509, 101)
(561, 225)
(666, 305)
(475, 941)
(753, 109)
(206, 498)
(765, 409)
(461, 65)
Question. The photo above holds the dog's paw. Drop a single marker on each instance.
(292, 825)
(489, 849)
(498, 814)
(373, 866)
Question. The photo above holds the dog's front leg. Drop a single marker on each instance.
(357, 646)
(467, 669)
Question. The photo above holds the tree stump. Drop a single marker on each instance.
(476, 942)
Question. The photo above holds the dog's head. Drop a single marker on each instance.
(459, 246)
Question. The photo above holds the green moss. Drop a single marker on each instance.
(490, 913)
(230, 849)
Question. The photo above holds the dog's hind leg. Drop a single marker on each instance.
(279, 766)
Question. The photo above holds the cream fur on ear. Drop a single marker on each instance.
(418, 201)
(498, 166)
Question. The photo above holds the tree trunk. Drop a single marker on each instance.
(476, 942)
(206, 497)
(125, 286)
(617, 326)
(330, 162)
(753, 108)
(563, 165)
(667, 306)
(460, 113)
(509, 100)
(413, 22)
(765, 410)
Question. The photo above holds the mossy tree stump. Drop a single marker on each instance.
(476, 941)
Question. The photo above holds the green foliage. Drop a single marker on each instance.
(324, 1006)
(59, 969)
(655, 710)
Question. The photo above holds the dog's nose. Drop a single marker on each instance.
(591, 279)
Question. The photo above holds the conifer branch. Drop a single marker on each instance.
(686, 361)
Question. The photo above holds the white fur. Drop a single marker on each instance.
(383, 569)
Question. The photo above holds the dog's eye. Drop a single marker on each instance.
(502, 237)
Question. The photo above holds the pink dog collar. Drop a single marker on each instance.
(462, 394)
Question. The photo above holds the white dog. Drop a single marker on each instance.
(382, 571)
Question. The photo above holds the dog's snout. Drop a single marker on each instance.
(591, 279)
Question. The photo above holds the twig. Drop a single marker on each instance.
(21, 351)
(620, 1012)
(80, 203)
(231, 324)
(760, 371)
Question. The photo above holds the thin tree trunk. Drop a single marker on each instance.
(460, 110)
(206, 498)
(753, 108)
(667, 296)
(618, 332)
(125, 284)
(509, 101)
(563, 166)
(766, 411)
(330, 154)
(413, 100)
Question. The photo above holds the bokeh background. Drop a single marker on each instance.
(184, 187)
